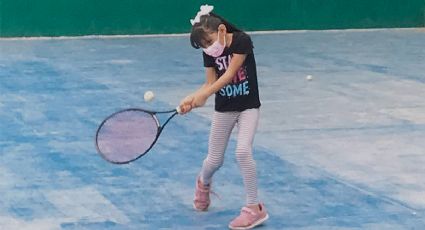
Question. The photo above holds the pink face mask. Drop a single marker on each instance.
(216, 49)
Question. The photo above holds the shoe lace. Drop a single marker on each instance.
(208, 189)
(215, 194)
(249, 211)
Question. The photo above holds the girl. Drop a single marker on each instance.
(230, 75)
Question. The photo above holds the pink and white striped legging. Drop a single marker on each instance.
(221, 129)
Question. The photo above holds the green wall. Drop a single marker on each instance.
(88, 17)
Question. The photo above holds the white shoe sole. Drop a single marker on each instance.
(255, 224)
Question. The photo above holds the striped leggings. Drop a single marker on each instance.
(221, 129)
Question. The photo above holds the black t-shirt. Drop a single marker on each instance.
(242, 92)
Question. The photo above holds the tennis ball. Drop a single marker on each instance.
(309, 77)
(149, 96)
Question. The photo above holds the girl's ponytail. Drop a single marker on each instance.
(230, 27)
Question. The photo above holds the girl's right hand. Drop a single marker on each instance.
(186, 104)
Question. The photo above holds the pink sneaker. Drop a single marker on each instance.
(249, 218)
(202, 196)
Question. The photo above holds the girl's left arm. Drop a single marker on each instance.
(202, 96)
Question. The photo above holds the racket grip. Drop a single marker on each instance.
(178, 109)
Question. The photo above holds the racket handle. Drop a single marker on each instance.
(178, 109)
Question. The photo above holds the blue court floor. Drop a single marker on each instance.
(345, 150)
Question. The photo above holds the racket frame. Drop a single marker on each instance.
(160, 127)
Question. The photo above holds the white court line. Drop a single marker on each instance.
(187, 34)
(85, 204)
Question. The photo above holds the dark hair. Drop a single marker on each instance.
(208, 23)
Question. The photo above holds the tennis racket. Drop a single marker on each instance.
(127, 135)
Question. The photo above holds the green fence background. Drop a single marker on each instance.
(110, 17)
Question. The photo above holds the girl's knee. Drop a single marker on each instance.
(244, 155)
(214, 163)
(243, 150)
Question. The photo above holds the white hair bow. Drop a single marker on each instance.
(205, 10)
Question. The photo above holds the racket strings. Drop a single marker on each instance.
(127, 135)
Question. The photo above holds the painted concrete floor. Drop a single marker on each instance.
(343, 151)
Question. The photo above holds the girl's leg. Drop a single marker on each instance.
(221, 128)
(247, 126)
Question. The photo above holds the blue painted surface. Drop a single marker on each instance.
(318, 150)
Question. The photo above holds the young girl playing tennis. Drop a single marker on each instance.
(231, 75)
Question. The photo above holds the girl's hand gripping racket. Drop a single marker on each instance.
(127, 135)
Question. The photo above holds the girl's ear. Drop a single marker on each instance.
(222, 29)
